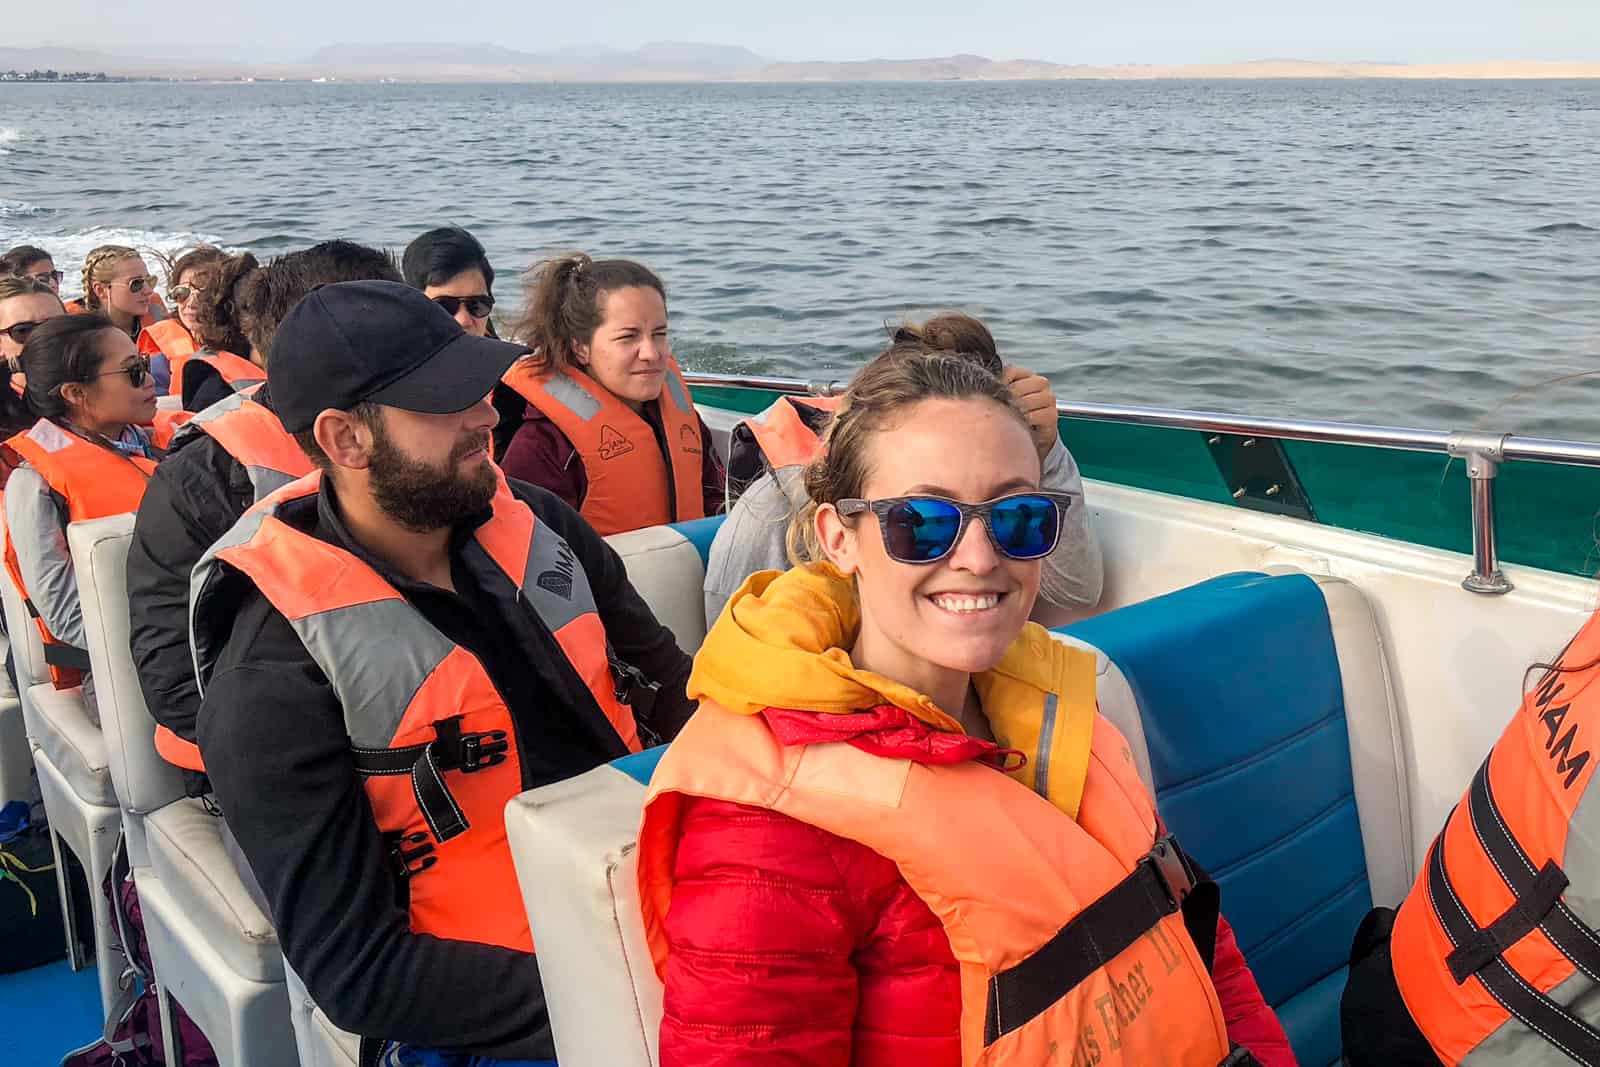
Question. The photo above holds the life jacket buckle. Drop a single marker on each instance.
(1171, 869)
(483, 750)
(410, 862)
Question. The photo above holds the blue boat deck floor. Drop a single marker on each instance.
(47, 1012)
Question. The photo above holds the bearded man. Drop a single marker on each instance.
(390, 648)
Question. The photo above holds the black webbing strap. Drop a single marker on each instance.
(1240, 1057)
(370, 1051)
(67, 657)
(1538, 892)
(1095, 936)
(1579, 1040)
(450, 750)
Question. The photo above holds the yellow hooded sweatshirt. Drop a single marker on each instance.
(783, 640)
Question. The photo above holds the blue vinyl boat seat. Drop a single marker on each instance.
(1272, 742)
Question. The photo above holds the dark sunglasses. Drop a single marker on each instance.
(49, 277)
(923, 529)
(477, 306)
(180, 293)
(137, 372)
(21, 331)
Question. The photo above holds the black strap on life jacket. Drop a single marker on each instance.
(1538, 897)
(450, 750)
(1158, 887)
(1579, 1040)
(67, 657)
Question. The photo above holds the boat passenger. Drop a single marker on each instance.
(229, 456)
(30, 261)
(1494, 956)
(951, 884)
(25, 303)
(225, 362)
(768, 454)
(173, 339)
(85, 458)
(393, 894)
(118, 285)
(610, 425)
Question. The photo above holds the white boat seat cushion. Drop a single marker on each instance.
(666, 564)
(187, 854)
(59, 725)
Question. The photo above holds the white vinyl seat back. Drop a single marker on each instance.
(144, 781)
(27, 647)
(16, 758)
(575, 848)
(667, 569)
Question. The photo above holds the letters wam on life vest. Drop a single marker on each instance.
(1559, 744)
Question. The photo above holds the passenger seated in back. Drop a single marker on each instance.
(1493, 960)
(29, 261)
(610, 426)
(970, 875)
(364, 732)
(226, 360)
(176, 338)
(25, 303)
(118, 285)
(230, 456)
(768, 455)
(86, 458)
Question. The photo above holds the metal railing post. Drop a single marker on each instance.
(1483, 453)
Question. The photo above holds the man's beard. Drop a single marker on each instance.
(421, 497)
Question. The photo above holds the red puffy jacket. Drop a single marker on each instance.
(792, 946)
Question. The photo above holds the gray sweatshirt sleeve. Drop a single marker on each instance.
(752, 537)
(1074, 573)
(38, 524)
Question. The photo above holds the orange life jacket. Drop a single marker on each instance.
(429, 732)
(1497, 948)
(786, 433)
(166, 427)
(167, 338)
(1071, 945)
(631, 484)
(237, 371)
(95, 482)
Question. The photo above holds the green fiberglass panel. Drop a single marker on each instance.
(732, 398)
(1145, 457)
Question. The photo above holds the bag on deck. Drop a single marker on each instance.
(30, 906)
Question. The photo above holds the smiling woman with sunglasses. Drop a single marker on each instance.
(897, 829)
(118, 285)
(85, 458)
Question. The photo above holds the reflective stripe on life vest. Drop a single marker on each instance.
(429, 731)
(1036, 904)
(95, 482)
(1497, 948)
(630, 483)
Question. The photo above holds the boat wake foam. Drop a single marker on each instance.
(8, 137)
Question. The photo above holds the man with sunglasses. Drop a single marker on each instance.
(365, 734)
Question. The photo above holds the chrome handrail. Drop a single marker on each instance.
(1483, 452)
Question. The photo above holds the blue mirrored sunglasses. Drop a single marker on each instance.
(923, 529)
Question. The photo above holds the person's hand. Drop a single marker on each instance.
(1038, 403)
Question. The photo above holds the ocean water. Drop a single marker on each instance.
(1420, 253)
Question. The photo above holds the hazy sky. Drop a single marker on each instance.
(1068, 31)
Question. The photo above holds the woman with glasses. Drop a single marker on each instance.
(118, 285)
(452, 269)
(85, 458)
(768, 453)
(610, 426)
(173, 339)
(225, 361)
(25, 303)
(897, 830)
(30, 261)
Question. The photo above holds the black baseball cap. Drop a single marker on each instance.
(380, 342)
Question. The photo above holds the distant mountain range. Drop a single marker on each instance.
(689, 62)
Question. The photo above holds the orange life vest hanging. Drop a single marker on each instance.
(1497, 948)
(430, 733)
(787, 434)
(1068, 933)
(95, 482)
(631, 484)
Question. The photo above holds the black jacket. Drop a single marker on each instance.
(196, 495)
(272, 734)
